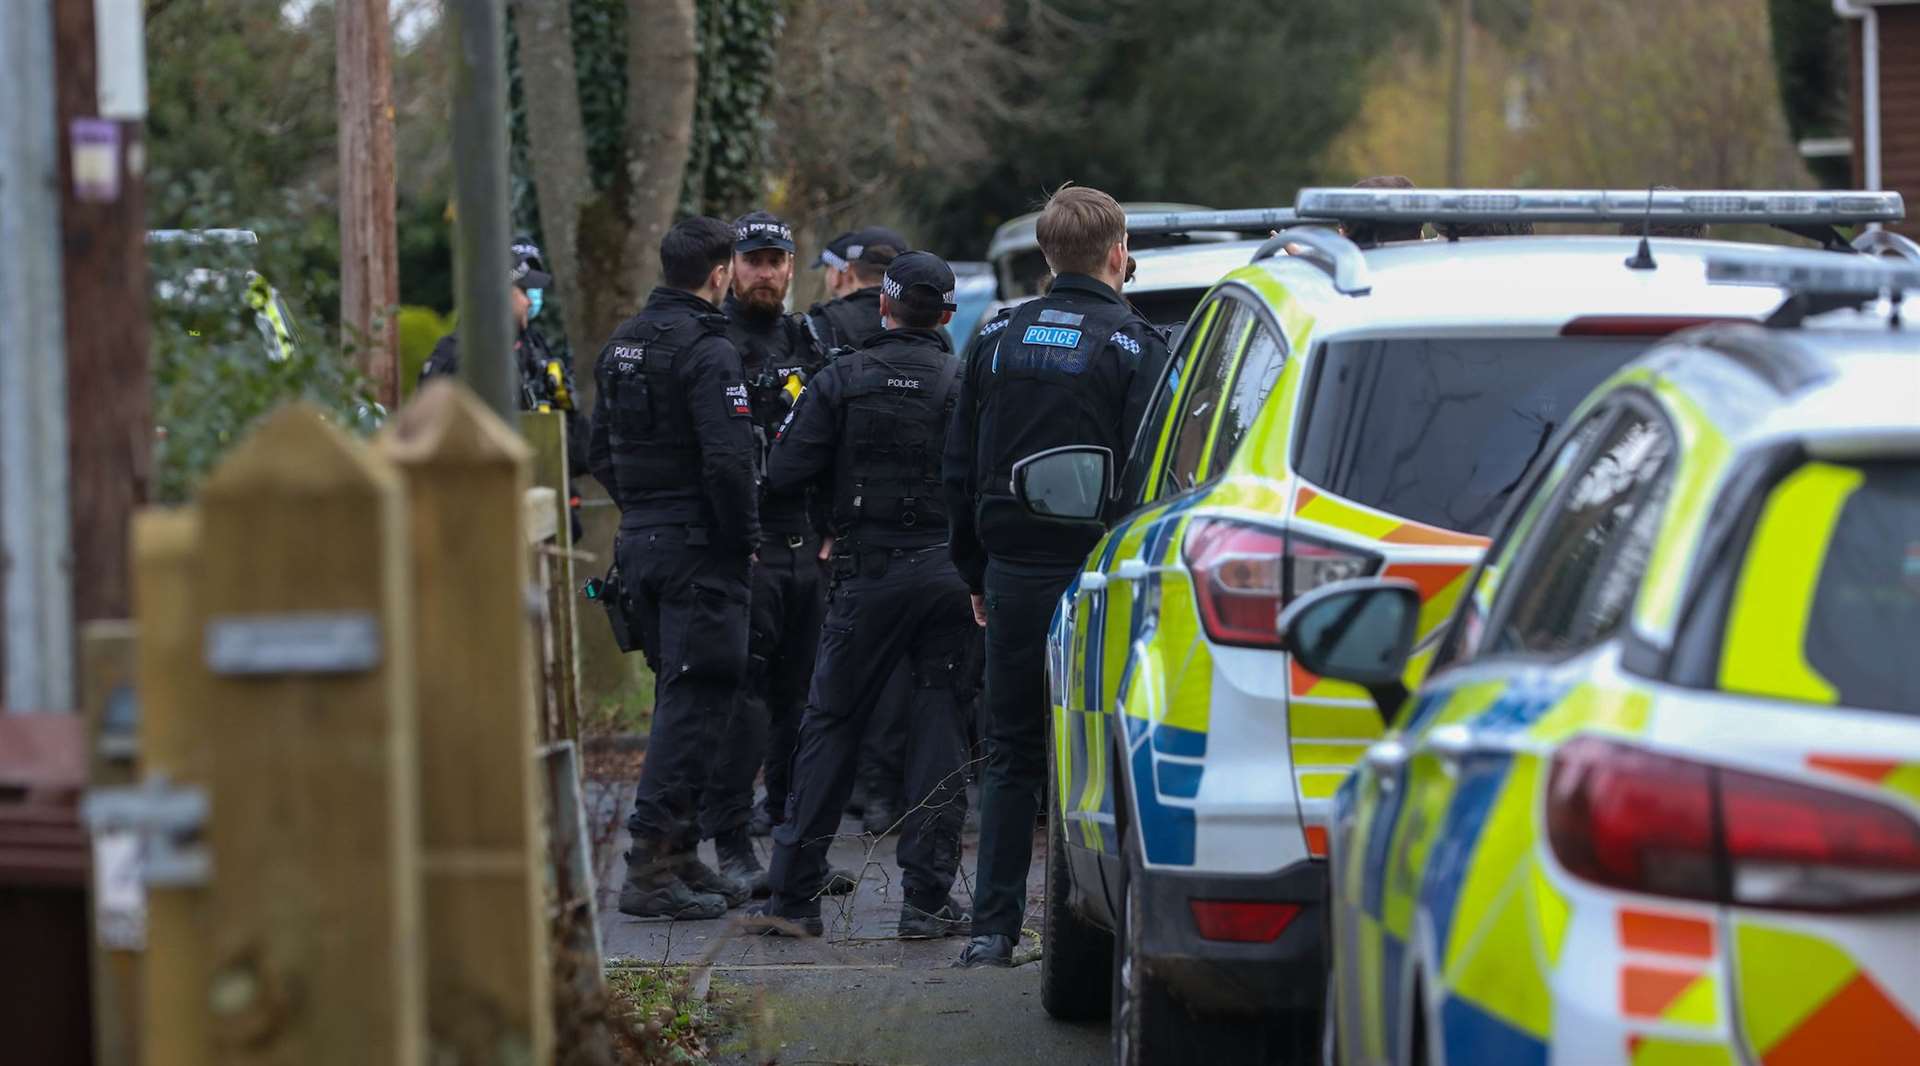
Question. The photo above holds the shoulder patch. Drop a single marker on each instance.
(739, 406)
(996, 325)
(1120, 338)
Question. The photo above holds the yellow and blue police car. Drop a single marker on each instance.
(1660, 801)
(1329, 413)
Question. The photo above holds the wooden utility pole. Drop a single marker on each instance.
(369, 262)
(103, 223)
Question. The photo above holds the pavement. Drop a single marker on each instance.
(857, 996)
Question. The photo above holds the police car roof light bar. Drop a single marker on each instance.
(1342, 259)
(1816, 274)
(1692, 206)
(1260, 220)
(202, 236)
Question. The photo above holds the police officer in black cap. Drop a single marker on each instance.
(854, 315)
(778, 356)
(1074, 367)
(870, 431)
(672, 439)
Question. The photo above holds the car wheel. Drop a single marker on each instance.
(1075, 954)
(1151, 1027)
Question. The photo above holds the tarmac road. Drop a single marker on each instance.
(857, 995)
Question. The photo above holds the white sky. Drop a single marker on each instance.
(411, 18)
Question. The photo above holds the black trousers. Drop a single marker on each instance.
(691, 604)
(883, 751)
(789, 589)
(884, 607)
(1020, 602)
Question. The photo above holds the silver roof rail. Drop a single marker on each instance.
(1882, 242)
(1339, 257)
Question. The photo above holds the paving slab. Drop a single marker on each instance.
(857, 995)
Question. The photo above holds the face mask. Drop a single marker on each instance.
(535, 297)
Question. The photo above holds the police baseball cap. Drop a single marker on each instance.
(761, 229)
(921, 279)
(528, 272)
(861, 244)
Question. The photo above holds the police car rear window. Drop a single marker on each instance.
(1441, 430)
(1826, 605)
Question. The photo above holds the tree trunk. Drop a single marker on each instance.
(558, 155)
(663, 77)
(369, 255)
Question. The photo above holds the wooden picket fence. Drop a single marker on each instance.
(354, 786)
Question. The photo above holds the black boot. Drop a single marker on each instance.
(654, 889)
(947, 918)
(703, 878)
(763, 919)
(739, 862)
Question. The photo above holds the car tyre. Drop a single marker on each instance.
(1151, 1027)
(1075, 955)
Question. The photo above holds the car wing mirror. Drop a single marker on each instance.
(1360, 631)
(1069, 484)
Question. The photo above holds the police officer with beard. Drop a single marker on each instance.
(854, 314)
(672, 439)
(778, 356)
(870, 431)
(1074, 367)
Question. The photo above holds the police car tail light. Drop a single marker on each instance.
(1243, 574)
(1236, 571)
(1629, 818)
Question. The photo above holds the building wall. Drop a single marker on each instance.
(1899, 107)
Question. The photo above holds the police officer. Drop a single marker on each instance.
(871, 430)
(778, 356)
(1074, 367)
(546, 379)
(672, 439)
(854, 315)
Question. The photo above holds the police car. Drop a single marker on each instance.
(1179, 251)
(1330, 413)
(1661, 803)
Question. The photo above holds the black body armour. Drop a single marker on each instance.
(778, 363)
(896, 403)
(650, 430)
(847, 322)
(1047, 355)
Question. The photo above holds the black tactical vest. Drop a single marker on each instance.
(649, 428)
(896, 403)
(1043, 354)
(848, 321)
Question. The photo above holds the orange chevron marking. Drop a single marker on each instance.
(1646, 992)
(1317, 841)
(1669, 934)
(1305, 496)
(1429, 578)
(1859, 1024)
(1872, 771)
(1415, 533)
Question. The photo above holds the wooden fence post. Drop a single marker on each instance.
(546, 433)
(171, 674)
(309, 712)
(466, 475)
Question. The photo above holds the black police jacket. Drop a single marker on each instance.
(672, 433)
(1075, 366)
(870, 431)
(778, 357)
(847, 322)
(546, 384)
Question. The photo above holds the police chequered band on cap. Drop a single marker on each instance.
(832, 260)
(894, 290)
(775, 230)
